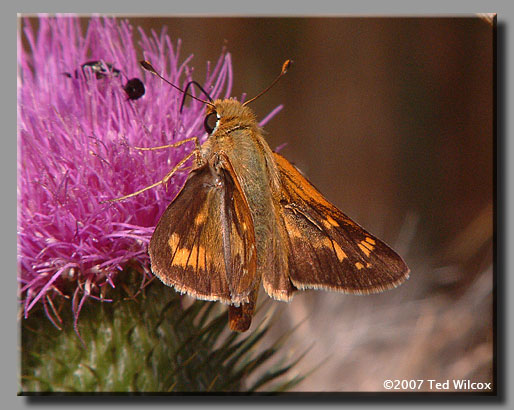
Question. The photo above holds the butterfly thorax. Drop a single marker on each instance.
(238, 136)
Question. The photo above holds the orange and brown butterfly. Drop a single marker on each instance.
(246, 216)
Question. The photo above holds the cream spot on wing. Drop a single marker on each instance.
(359, 265)
(364, 249)
(332, 221)
(339, 252)
(200, 219)
(181, 257)
(193, 257)
(174, 240)
(329, 222)
(367, 245)
(371, 241)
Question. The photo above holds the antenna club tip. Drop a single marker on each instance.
(286, 66)
(147, 66)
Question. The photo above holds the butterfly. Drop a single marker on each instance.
(247, 217)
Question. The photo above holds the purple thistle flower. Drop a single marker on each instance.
(76, 137)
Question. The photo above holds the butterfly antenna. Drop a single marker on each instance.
(285, 67)
(147, 66)
(189, 84)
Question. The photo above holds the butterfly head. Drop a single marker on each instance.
(226, 115)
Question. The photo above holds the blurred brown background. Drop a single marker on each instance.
(392, 119)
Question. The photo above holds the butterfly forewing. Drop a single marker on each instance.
(198, 247)
(238, 234)
(326, 249)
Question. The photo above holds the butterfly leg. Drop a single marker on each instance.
(162, 181)
(174, 145)
(198, 158)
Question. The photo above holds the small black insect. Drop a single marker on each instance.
(134, 87)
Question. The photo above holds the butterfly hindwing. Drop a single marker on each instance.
(326, 249)
(203, 244)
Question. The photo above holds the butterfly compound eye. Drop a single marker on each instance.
(211, 120)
